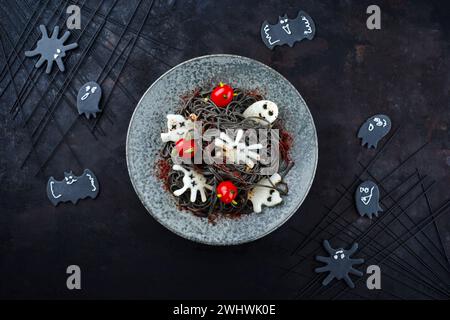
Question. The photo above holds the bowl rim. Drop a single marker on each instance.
(259, 236)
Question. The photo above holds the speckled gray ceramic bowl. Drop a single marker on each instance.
(163, 97)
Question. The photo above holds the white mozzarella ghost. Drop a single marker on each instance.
(193, 181)
(265, 194)
(178, 127)
(263, 111)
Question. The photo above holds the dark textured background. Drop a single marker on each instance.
(346, 74)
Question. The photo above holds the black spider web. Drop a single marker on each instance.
(404, 240)
(41, 103)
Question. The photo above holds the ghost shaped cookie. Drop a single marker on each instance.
(265, 194)
(374, 129)
(367, 199)
(177, 127)
(264, 111)
(88, 99)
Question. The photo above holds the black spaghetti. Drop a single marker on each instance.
(199, 107)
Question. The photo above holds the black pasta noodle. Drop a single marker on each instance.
(243, 177)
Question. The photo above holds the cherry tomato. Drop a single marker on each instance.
(186, 148)
(222, 95)
(227, 192)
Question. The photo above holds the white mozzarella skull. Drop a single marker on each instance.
(264, 111)
(178, 127)
(193, 181)
(265, 194)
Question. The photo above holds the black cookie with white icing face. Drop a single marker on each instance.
(88, 99)
(367, 199)
(340, 264)
(51, 49)
(288, 31)
(374, 129)
(72, 188)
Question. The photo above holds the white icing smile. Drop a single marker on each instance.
(287, 29)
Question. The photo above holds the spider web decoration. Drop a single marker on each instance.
(45, 107)
(405, 241)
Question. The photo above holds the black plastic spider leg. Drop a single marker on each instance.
(60, 64)
(327, 247)
(322, 269)
(49, 66)
(70, 46)
(349, 281)
(355, 272)
(353, 249)
(39, 62)
(31, 53)
(327, 280)
(323, 259)
(43, 31)
(55, 32)
(356, 261)
(65, 36)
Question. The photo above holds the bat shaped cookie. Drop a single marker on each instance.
(288, 31)
(72, 188)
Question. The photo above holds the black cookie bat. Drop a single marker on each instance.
(375, 128)
(72, 188)
(288, 31)
(88, 99)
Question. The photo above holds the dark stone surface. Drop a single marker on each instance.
(346, 74)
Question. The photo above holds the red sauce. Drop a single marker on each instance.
(162, 172)
(286, 141)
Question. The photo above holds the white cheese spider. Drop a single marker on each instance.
(194, 181)
(236, 151)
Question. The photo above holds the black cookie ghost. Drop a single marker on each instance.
(72, 188)
(288, 31)
(88, 99)
(367, 199)
(375, 128)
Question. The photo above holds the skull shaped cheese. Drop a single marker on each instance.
(265, 194)
(178, 127)
(264, 111)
